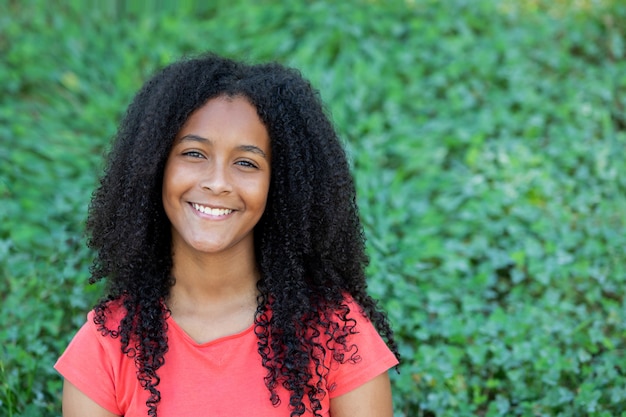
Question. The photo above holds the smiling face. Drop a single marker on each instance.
(217, 178)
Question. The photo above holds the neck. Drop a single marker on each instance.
(213, 295)
(213, 280)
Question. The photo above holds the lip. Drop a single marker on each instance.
(214, 212)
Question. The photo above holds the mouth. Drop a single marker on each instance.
(211, 211)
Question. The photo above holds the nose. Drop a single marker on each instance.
(216, 179)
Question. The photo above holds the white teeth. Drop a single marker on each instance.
(211, 211)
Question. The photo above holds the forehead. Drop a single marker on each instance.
(231, 118)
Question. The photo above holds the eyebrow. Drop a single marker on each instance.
(245, 148)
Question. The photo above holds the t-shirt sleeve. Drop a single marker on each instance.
(369, 353)
(87, 363)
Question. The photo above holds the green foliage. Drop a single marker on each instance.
(486, 139)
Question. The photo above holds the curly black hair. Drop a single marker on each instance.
(309, 242)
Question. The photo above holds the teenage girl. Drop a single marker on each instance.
(226, 227)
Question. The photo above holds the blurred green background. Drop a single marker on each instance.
(487, 139)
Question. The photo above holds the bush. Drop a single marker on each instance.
(486, 140)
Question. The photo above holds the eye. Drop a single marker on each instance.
(246, 163)
(193, 154)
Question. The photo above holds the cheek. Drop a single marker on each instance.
(257, 200)
(166, 188)
(175, 178)
(171, 188)
(263, 195)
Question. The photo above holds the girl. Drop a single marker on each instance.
(226, 227)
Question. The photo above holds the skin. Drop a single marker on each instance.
(77, 404)
(372, 399)
(221, 159)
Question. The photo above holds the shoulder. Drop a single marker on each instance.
(94, 363)
(348, 330)
(359, 352)
(350, 312)
(101, 330)
(108, 315)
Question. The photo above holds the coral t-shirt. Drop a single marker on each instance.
(221, 378)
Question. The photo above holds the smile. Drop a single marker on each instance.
(211, 211)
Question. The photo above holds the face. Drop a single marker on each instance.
(217, 178)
